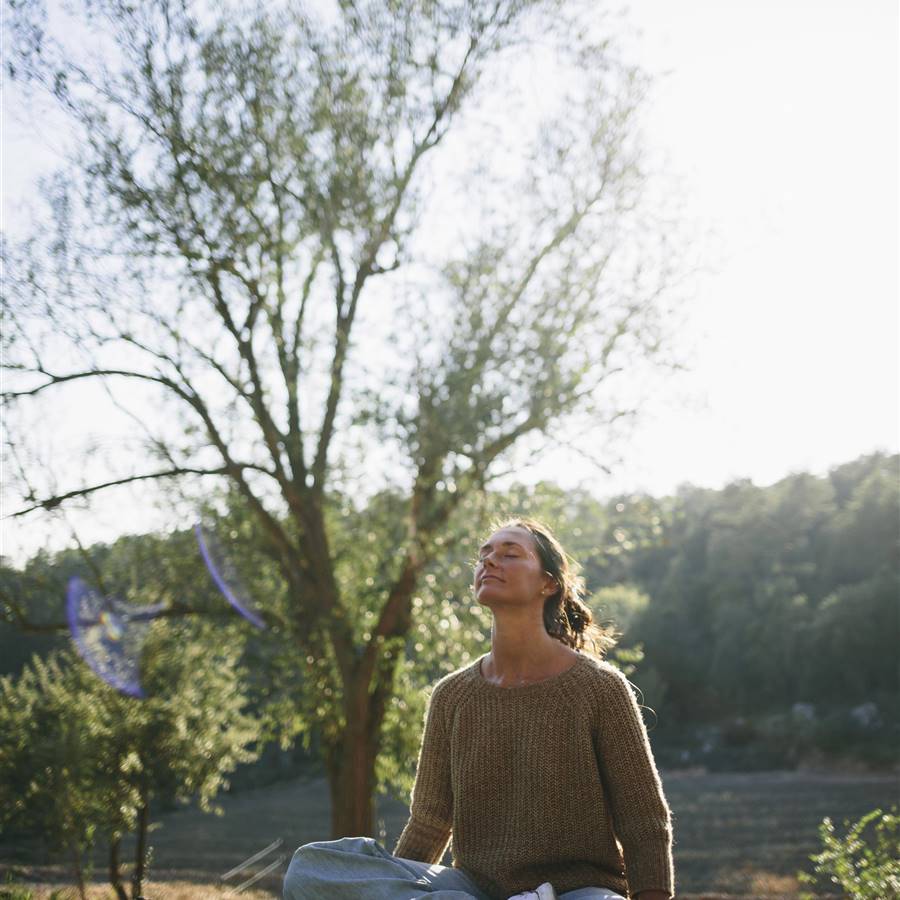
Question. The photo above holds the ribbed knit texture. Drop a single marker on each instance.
(552, 781)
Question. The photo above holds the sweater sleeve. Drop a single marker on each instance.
(641, 816)
(427, 832)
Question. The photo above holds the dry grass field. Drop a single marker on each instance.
(736, 834)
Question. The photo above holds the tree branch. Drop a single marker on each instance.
(53, 502)
(373, 245)
(90, 373)
(176, 610)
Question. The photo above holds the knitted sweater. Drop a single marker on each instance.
(551, 781)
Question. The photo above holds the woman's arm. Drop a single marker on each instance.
(427, 832)
(641, 816)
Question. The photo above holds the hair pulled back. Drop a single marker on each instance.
(566, 616)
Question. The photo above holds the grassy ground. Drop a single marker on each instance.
(735, 834)
(157, 890)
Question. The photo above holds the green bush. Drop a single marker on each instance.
(9, 890)
(867, 867)
(81, 764)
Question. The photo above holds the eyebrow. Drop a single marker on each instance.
(502, 544)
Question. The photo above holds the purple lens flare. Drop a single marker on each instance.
(109, 635)
(225, 575)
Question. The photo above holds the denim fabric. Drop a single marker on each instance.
(359, 868)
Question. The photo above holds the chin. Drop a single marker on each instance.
(489, 593)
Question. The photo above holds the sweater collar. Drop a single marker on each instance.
(543, 684)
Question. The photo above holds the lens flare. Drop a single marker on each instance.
(225, 574)
(109, 635)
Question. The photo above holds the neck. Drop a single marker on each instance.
(521, 648)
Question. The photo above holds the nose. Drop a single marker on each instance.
(487, 565)
(488, 560)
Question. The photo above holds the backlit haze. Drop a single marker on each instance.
(781, 120)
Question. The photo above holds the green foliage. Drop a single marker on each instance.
(78, 760)
(620, 604)
(755, 595)
(10, 890)
(866, 866)
(51, 730)
(37, 589)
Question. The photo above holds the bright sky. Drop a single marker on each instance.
(782, 117)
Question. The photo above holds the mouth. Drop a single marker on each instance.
(489, 578)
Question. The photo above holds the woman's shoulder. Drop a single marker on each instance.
(456, 680)
(607, 675)
(601, 667)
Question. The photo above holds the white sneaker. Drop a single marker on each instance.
(542, 892)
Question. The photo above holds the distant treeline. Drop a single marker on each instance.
(761, 597)
(745, 601)
(770, 613)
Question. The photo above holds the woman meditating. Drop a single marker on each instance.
(534, 761)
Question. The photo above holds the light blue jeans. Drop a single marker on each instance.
(359, 868)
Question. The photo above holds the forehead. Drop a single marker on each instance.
(521, 537)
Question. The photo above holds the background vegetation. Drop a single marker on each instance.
(760, 623)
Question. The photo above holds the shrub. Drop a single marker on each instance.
(866, 868)
(10, 890)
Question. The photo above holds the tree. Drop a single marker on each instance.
(79, 762)
(246, 193)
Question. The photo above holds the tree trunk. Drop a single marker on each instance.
(115, 875)
(351, 767)
(351, 779)
(137, 879)
(79, 873)
(367, 691)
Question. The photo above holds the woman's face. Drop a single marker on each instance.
(509, 568)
